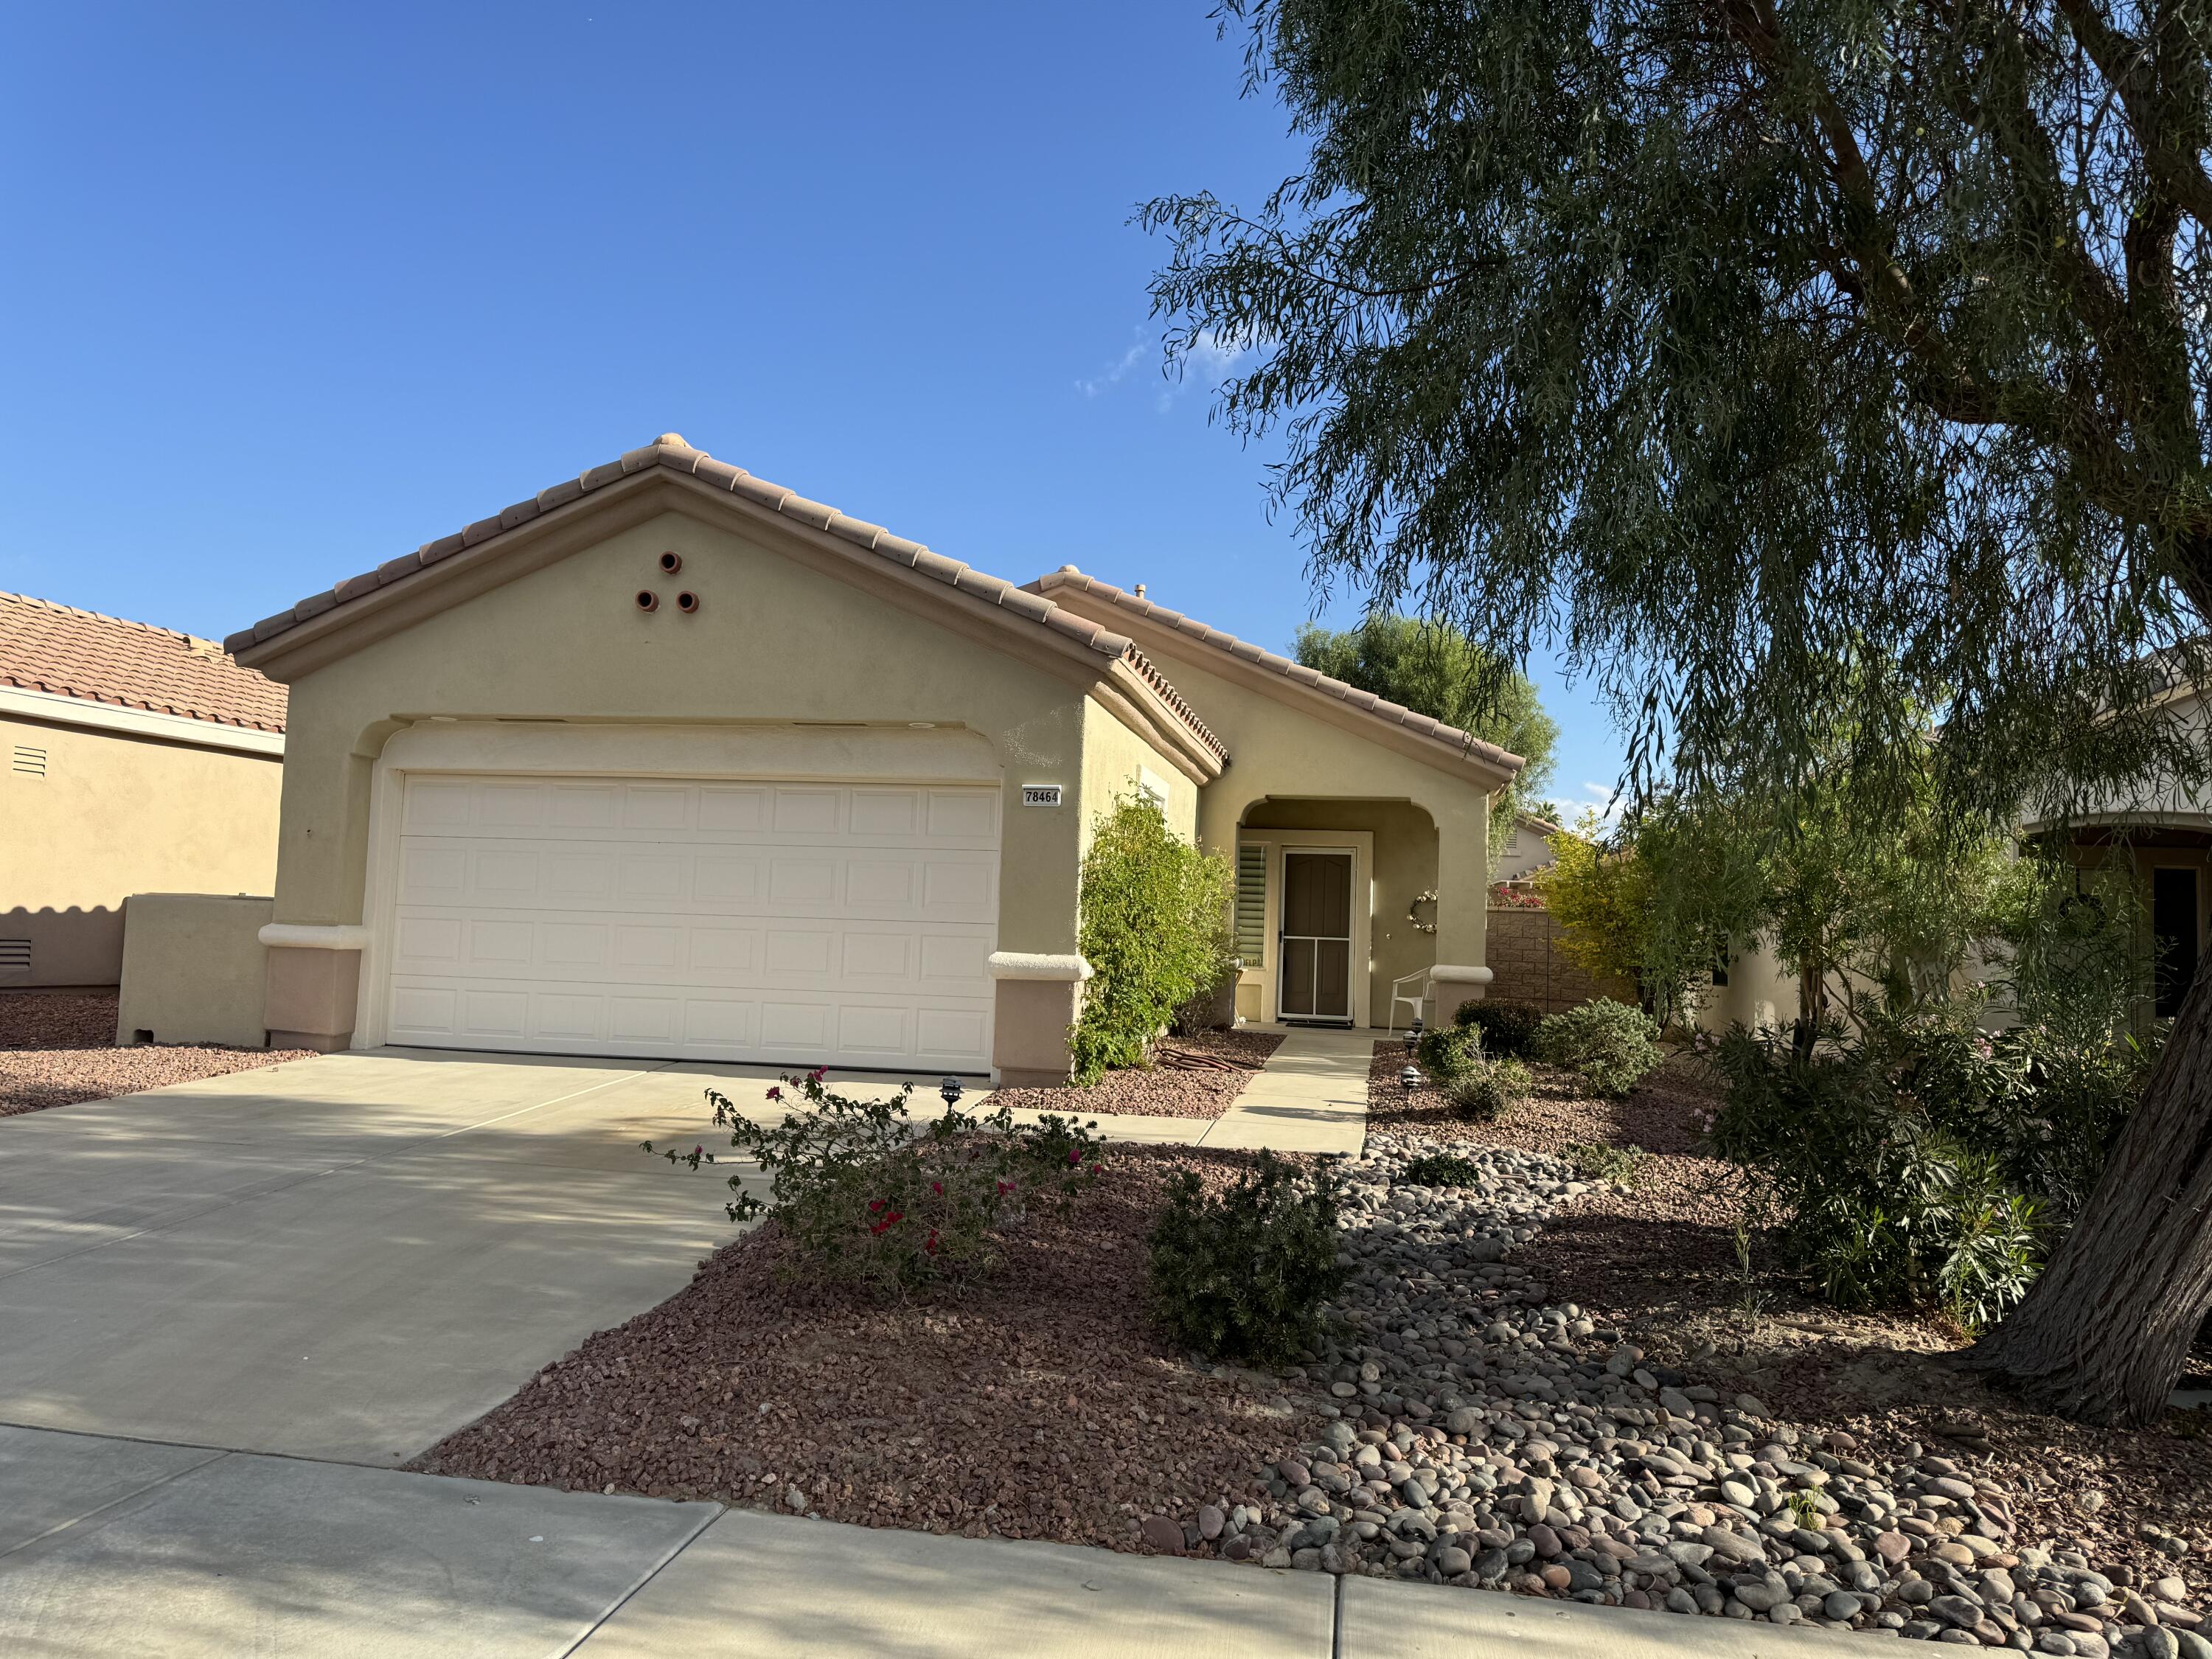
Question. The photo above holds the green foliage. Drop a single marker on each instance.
(1611, 1044)
(1155, 931)
(1599, 890)
(1242, 1274)
(1486, 1089)
(1447, 1052)
(1716, 347)
(1433, 669)
(1928, 1163)
(870, 1197)
(1443, 1169)
(1508, 1028)
(1596, 1161)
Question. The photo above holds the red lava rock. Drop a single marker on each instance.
(1038, 1402)
(1195, 1076)
(60, 1050)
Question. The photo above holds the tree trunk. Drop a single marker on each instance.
(2103, 1334)
(1812, 1008)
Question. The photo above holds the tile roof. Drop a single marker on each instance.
(670, 451)
(56, 649)
(1461, 742)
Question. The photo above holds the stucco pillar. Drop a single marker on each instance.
(314, 985)
(1462, 971)
(1038, 998)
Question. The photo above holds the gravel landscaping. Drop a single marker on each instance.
(1542, 1382)
(1197, 1076)
(1041, 1405)
(57, 1050)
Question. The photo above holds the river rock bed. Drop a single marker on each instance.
(1487, 1438)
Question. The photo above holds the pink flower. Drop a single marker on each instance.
(1073, 1156)
(775, 1092)
(818, 1073)
(931, 1245)
(874, 1205)
(937, 1187)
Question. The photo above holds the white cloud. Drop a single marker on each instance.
(1212, 359)
(1596, 797)
(1115, 372)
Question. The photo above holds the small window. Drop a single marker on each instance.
(14, 957)
(1252, 904)
(31, 763)
(1152, 786)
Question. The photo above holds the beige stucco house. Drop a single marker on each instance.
(133, 759)
(668, 761)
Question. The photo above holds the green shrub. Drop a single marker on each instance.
(1449, 1052)
(1890, 1162)
(1155, 930)
(1509, 1029)
(1486, 1089)
(1242, 1274)
(1595, 1161)
(868, 1196)
(1443, 1169)
(1610, 1043)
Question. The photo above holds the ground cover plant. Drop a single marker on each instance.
(1487, 1090)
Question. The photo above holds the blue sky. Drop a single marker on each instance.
(292, 290)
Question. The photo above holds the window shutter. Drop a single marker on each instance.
(1252, 905)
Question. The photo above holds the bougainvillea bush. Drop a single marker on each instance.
(873, 1197)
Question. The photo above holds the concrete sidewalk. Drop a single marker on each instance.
(111, 1548)
(1310, 1097)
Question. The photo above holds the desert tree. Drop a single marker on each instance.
(1749, 354)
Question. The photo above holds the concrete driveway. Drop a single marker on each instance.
(346, 1257)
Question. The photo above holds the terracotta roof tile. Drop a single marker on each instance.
(670, 451)
(1462, 742)
(56, 649)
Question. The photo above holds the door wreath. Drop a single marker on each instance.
(1414, 912)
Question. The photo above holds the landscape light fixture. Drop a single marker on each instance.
(1410, 1079)
(950, 1090)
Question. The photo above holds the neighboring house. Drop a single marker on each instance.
(136, 759)
(668, 761)
(1528, 850)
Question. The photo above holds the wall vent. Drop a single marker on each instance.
(1252, 905)
(14, 957)
(31, 763)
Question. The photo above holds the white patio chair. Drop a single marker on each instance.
(1398, 994)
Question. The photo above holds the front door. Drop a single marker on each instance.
(1314, 981)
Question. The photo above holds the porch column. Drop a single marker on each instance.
(1038, 997)
(1462, 971)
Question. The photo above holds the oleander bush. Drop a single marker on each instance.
(1611, 1044)
(870, 1196)
(1926, 1162)
(1241, 1273)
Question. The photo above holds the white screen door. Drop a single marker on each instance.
(1314, 979)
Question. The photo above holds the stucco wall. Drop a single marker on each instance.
(772, 642)
(1278, 751)
(1117, 762)
(1526, 850)
(1405, 864)
(192, 966)
(115, 815)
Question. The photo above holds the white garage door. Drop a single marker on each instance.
(786, 923)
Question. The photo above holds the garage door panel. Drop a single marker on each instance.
(600, 916)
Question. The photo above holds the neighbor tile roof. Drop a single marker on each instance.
(57, 648)
(1462, 743)
(670, 451)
